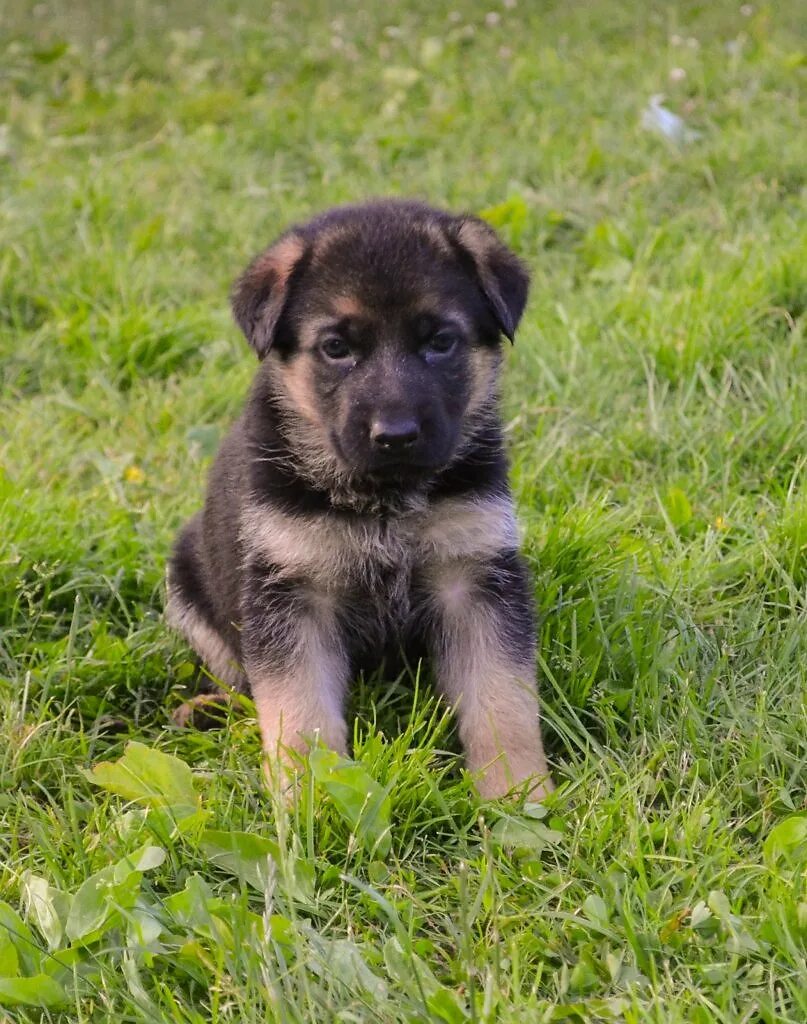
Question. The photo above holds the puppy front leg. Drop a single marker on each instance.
(485, 657)
(296, 665)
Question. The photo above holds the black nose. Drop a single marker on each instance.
(394, 434)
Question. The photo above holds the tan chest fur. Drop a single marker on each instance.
(340, 553)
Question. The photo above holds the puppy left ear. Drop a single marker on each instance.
(260, 293)
(503, 277)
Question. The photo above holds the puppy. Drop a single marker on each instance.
(360, 504)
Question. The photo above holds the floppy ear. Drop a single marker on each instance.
(503, 277)
(260, 293)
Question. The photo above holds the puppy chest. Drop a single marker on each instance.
(333, 553)
(373, 568)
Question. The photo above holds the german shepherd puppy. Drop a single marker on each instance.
(360, 503)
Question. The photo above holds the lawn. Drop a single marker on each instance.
(655, 400)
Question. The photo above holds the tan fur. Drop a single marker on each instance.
(271, 270)
(334, 554)
(280, 260)
(200, 709)
(478, 239)
(485, 365)
(216, 653)
(316, 459)
(495, 700)
(348, 305)
(436, 236)
(468, 528)
(311, 328)
(351, 306)
(299, 705)
(294, 382)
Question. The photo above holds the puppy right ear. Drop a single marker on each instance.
(260, 293)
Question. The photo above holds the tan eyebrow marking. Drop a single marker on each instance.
(347, 305)
(310, 329)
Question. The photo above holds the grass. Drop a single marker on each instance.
(656, 409)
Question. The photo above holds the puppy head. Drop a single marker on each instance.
(379, 327)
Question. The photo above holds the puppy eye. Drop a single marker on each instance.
(336, 348)
(442, 343)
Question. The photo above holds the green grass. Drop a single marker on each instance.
(656, 403)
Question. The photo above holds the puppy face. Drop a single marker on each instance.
(379, 328)
(386, 361)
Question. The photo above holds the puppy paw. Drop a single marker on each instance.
(496, 780)
(205, 711)
(283, 776)
(540, 790)
(284, 764)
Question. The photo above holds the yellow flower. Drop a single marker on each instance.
(721, 523)
(134, 475)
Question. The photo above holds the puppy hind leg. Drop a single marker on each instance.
(216, 664)
(187, 611)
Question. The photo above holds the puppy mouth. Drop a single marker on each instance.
(401, 471)
(386, 470)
